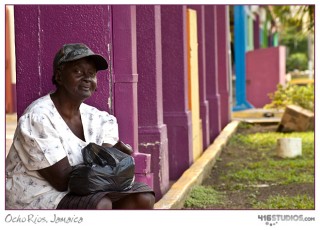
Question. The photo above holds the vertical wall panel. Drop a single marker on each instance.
(193, 79)
(212, 91)
(152, 131)
(126, 80)
(10, 89)
(223, 64)
(177, 117)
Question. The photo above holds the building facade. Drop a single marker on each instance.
(168, 81)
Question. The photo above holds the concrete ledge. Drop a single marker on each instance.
(268, 120)
(257, 113)
(200, 169)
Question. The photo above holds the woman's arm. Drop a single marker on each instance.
(58, 174)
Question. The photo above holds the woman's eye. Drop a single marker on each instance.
(78, 71)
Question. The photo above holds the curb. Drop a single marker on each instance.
(258, 113)
(200, 169)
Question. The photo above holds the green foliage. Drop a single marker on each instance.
(295, 27)
(295, 43)
(245, 125)
(297, 61)
(203, 197)
(286, 202)
(294, 16)
(278, 175)
(292, 95)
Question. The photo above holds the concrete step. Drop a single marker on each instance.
(258, 113)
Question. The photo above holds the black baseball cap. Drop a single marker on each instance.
(75, 51)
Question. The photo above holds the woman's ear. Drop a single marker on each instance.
(57, 76)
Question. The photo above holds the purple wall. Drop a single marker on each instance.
(265, 69)
(177, 117)
(40, 32)
(223, 63)
(125, 72)
(44, 34)
(148, 43)
(125, 87)
(213, 95)
(152, 131)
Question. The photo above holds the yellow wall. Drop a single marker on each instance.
(193, 81)
(10, 59)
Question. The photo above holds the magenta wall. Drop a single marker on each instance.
(176, 115)
(212, 83)
(223, 63)
(41, 30)
(265, 69)
(148, 66)
(124, 36)
(152, 131)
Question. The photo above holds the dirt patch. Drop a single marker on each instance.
(243, 196)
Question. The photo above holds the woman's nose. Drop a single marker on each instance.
(88, 76)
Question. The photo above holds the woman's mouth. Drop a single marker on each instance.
(85, 87)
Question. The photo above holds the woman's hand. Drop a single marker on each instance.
(121, 146)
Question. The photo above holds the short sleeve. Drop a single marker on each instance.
(38, 142)
(110, 129)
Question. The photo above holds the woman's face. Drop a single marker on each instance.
(78, 78)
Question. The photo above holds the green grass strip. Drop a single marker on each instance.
(203, 197)
(286, 202)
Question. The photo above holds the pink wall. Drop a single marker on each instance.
(153, 138)
(40, 31)
(265, 69)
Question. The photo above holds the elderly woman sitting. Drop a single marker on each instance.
(50, 135)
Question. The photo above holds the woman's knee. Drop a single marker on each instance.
(104, 204)
(145, 200)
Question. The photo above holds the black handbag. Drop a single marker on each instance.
(104, 169)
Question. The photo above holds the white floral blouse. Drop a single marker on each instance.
(41, 139)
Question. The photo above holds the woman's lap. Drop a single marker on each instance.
(90, 201)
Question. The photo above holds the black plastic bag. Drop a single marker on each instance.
(104, 169)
